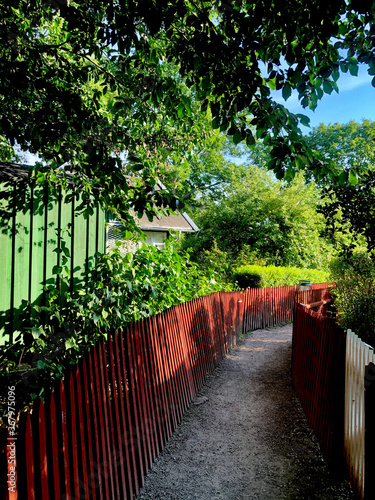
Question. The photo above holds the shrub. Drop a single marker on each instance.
(215, 260)
(117, 290)
(253, 276)
(354, 295)
(245, 277)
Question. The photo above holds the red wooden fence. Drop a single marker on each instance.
(318, 374)
(98, 432)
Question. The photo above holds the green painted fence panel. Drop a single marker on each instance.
(21, 254)
(79, 247)
(29, 250)
(37, 231)
(100, 234)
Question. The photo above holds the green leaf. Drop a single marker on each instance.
(35, 332)
(250, 141)
(319, 92)
(305, 120)
(181, 110)
(353, 69)
(327, 87)
(343, 177)
(287, 91)
(353, 178)
(237, 137)
(272, 83)
(335, 74)
(301, 162)
(343, 67)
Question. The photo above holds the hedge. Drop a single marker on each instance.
(253, 276)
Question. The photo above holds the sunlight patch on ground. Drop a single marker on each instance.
(253, 349)
(267, 340)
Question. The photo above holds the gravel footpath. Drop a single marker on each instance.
(245, 436)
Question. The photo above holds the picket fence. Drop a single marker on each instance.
(333, 372)
(98, 432)
(358, 356)
(318, 375)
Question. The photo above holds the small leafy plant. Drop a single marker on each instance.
(354, 295)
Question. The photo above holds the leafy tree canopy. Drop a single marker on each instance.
(209, 172)
(349, 206)
(262, 218)
(83, 81)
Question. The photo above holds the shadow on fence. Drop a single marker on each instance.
(318, 375)
(333, 372)
(98, 433)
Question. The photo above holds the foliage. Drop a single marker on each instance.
(81, 82)
(207, 174)
(119, 289)
(354, 294)
(350, 146)
(347, 207)
(272, 220)
(6, 151)
(217, 260)
(265, 276)
(247, 277)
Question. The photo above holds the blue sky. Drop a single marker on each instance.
(355, 101)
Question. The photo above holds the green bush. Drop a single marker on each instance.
(117, 290)
(354, 295)
(247, 278)
(253, 276)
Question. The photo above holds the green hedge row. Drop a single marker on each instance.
(252, 276)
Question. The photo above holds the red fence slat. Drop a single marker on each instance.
(53, 455)
(97, 398)
(128, 436)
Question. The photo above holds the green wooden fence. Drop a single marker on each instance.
(42, 224)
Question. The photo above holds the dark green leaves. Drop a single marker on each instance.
(237, 137)
(305, 120)
(327, 87)
(95, 80)
(287, 91)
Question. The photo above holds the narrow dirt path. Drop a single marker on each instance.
(245, 436)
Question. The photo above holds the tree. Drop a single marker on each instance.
(264, 218)
(350, 146)
(349, 208)
(229, 54)
(208, 172)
